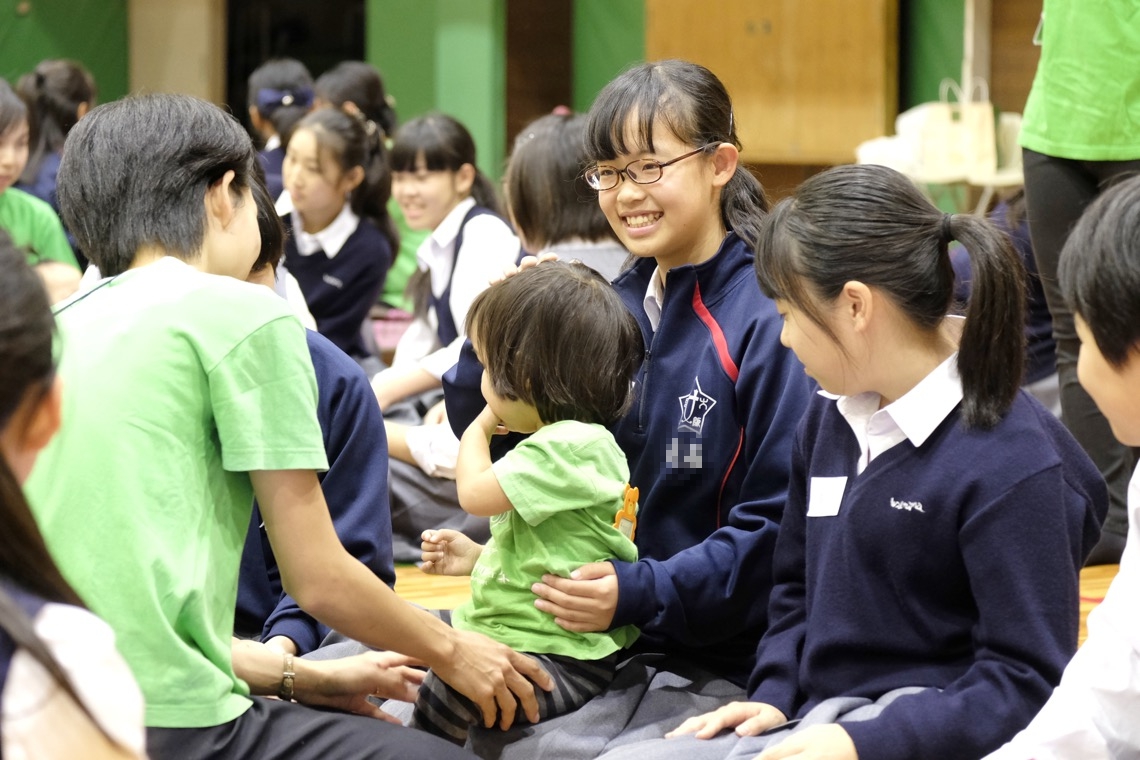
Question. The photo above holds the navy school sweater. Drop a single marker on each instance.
(355, 487)
(709, 445)
(272, 161)
(340, 291)
(30, 605)
(954, 565)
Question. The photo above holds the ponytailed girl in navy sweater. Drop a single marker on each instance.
(937, 519)
(336, 174)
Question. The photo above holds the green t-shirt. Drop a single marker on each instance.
(404, 261)
(566, 484)
(1085, 100)
(176, 385)
(33, 224)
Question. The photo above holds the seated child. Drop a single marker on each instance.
(1094, 712)
(560, 351)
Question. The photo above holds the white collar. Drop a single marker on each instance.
(446, 231)
(273, 143)
(331, 239)
(654, 298)
(917, 412)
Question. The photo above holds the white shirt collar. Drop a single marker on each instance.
(914, 416)
(331, 239)
(273, 143)
(444, 234)
(654, 298)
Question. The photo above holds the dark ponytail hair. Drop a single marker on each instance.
(54, 91)
(350, 141)
(693, 104)
(27, 370)
(281, 90)
(359, 83)
(871, 224)
(445, 145)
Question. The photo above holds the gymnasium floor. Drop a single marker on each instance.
(442, 592)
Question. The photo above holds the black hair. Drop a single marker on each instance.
(268, 225)
(53, 92)
(546, 190)
(359, 83)
(558, 337)
(688, 100)
(281, 89)
(347, 139)
(27, 370)
(13, 110)
(445, 145)
(135, 173)
(872, 225)
(1099, 270)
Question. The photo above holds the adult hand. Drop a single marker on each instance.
(346, 684)
(747, 718)
(584, 602)
(825, 742)
(497, 678)
(526, 263)
(448, 552)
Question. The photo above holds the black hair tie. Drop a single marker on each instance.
(947, 232)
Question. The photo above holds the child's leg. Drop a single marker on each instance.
(442, 711)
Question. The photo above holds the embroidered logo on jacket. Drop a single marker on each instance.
(909, 506)
(336, 282)
(695, 407)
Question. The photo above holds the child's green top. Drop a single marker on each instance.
(34, 225)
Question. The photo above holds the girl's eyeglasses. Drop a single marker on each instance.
(644, 171)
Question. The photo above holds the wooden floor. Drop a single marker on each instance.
(445, 593)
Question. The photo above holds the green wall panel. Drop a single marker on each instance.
(609, 36)
(931, 43)
(93, 32)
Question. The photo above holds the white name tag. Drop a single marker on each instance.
(825, 496)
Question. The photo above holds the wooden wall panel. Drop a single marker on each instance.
(1013, 54)
(809, 79)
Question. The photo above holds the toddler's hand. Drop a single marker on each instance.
(448, 552)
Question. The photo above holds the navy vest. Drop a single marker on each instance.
(445, 323)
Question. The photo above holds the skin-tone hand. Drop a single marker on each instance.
(826, 742)
(477, 671)
(448, 552)
(747, 718)
(582, 603)
(526, 263)
(437, 415)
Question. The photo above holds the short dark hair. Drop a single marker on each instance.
(694, 105)
(1099, 270)
(558, 337)
(12, 107)
(360, 83)
(871, 224)
(281, 89)
(268, 224)
(546, 190)
(135, 173)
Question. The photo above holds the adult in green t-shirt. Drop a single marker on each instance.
(560, 352)
(1080, 133)
(187, 394)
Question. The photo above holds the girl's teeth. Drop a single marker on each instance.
(641, 220)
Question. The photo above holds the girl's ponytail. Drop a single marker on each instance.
(370, 198)
(743, 205)
(991, 353)
(484, 193)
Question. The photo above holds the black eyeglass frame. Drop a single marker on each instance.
(593, 177)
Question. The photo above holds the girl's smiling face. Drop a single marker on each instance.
(13, 153)
(427, 196)
(677, 219)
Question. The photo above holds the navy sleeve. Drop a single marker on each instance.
(717, 589)
(355, 485)
(464, 400)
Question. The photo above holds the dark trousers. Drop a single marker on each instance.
(276, 730)
(1057, 191)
